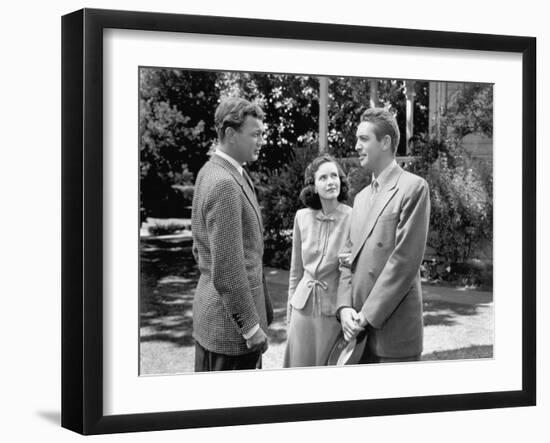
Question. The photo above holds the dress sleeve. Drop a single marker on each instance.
(344, 297)
(296, 264)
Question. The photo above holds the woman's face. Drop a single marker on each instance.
(327, 181)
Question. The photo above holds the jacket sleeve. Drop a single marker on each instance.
(296, 264)
(403, 265)
(344, 297)
(223, 216)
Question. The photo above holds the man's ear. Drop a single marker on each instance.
(386, 142)
(229, 132)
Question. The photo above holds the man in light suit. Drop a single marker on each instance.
(379, 287)
(232, 308)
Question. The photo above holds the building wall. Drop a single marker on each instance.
(441, 95)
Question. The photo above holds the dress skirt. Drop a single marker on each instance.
(310, 337)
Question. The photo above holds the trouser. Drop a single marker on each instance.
(206, 360)
(369, 357)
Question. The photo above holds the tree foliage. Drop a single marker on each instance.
(471, 111)
(175, 130)
(177, 122)
(279, 191)
(291, 107)
(461, 193)
(176, 134)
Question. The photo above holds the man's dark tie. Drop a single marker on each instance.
(249, 181)
(251, 184)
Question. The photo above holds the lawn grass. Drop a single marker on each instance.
(471, 352)
(458, 322)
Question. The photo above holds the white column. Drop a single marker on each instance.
(373, 92)
(323, 114)
(434, 109)
(409, 96)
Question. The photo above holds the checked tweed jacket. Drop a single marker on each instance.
(231, 295)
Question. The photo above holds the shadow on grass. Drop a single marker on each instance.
(482, 351)
(168, 279)
(440, 312)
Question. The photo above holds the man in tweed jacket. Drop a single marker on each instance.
(232, 308)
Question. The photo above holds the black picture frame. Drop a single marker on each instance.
(82, 218)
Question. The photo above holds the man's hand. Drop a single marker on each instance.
(350, 323)
(258, 342)
(361, 320)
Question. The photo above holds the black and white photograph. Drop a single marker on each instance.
(294, 221)
(273, 222)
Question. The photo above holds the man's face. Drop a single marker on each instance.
(371, 151)
(249, 139)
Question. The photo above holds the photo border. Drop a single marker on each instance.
(82, 220)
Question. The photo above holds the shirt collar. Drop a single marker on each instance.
(230, 160)
(334, 215)
(382, 177)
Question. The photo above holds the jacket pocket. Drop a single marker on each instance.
(301, 295)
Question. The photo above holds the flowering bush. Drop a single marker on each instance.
(461, 191)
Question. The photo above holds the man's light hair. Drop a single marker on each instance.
(232, 112)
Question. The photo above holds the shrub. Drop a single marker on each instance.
(166, 228)
(461, 221)
(182, 200)
(357, 177)
(174, 202)
(470, 273)
(278, 192)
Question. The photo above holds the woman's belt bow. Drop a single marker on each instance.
(316, 311)
(321, 283)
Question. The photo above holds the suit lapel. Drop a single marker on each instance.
(372, 213)
(359, 218)
(248, 192)
(251, 196)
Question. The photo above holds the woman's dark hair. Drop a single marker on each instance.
(308, 196)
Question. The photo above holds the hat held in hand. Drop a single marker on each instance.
(347, 353)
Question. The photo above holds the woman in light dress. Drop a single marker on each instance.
(320, 231)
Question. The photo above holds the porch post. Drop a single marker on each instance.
(409, 96)
(373, 93)
(323, 114)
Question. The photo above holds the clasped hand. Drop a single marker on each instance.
(352, 323)
(258, 342)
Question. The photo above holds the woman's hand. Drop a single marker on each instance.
(344, 259)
